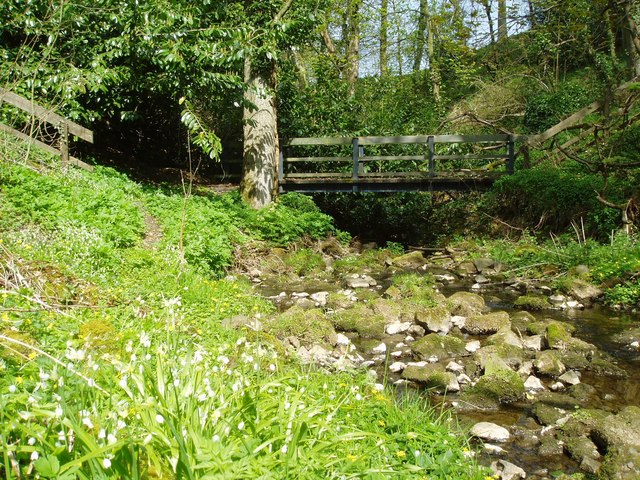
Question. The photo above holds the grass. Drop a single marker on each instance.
(114, 362)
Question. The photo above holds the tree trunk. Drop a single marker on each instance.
(487, 10)
(632, 37)
(352, 40)
(434, 70)
(423, 20)
(259, 167)
(384, 38)
(502, 19)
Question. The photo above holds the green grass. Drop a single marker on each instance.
(114, 362)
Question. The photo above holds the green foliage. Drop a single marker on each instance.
(304, 261)
(547, 108)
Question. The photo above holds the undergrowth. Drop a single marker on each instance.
(114, 362)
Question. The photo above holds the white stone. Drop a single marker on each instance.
(493, 449)
(557, 300)
(458, 321)
(397, 367)
(533, 343)
(416, 364)
(533, 384)
(463, 379)
(525, 368)
(635, 344)
(455, 367)
(574, 304)
(557, 387)
(397, 327)
(409, 339)
(453, 385)
(320, 298)
(433, 359)
(342, 339)
(396, 353)
(400, 381)
(300, 294)
(472, 346)
(490, 431)
(401, 345)
(511, 471)
(368, 363)
(382, 348)
(476, 286)
(571, 377)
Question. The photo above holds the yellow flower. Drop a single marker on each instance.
(401, 454)
(351, 458)
(412, 435)
(381, 423)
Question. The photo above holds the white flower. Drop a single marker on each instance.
(272, 367)
(241, 426)
(159, 418)
(106, 463)
(111, 439)
(102, 433)
(284, 448)
(34, 455)
(31, 441)
(145, 341)
(358, 397)
(58, 411)
(215, 438)
(12, 389)
(76, 355)
(87, 422)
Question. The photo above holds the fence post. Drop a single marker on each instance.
(64, 143)
(432, 153)
(512, 155)
(356, 161)
(281, 169)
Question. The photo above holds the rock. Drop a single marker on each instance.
(534, 342)
(458, 321)
(570, 377)
(309, 326)
(466, 303)
(532, 302)
(505, 336)
(558, 300)
(525, 369)
(533, 384)
(621, 430)
(622, 463)
(481, 279)
(490, 431)
(472, 346)
(360, 281)
(493, 449)
(488, 323)
(306, 303)
(360, 319)
(397, 327)
(454, 367)
(342, 339)
(320, 298)
(380, 348)
(410, 260)
(435, 319)
(317, 354)
(393, 293)
(512, 356)
(481, 264)
(397, 367)
(548, 363)
(557, 386)
(547, 414)
(416, 331)
(511, 471)
(557, 336)
(590, 465)
(583, 291)
(466, 268)
(550, 446)
(463, 379)
(499, 385)
(580, 448)
(431, 376)
(438, 345)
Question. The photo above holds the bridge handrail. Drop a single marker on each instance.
(358, 156)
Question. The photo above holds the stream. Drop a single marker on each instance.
(596, 325)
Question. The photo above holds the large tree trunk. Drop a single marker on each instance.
(632, 39)
(259, 178)
(384, 38)
(352, 40)
(487, 10)
(502, 19)
(434, 69)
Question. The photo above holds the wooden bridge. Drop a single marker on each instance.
(391, 164)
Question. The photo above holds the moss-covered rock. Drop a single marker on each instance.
(466, 303)
(547, 414)
(360, 319)
(549, 363)
(512, 356)
(390, 310)
(520, 321)
(432, 375)
(503, 386)
(581, 448)
(505, 336)
(602, 364)
(532, 302)
(439, 346)
(410, 260)
(309, 326)
(434, 319)
(557, 336)
(488, 323)
(539, 327)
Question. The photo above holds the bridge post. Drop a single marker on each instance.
(281, 169)
(432, 154)
(511, 151)
(356, 161)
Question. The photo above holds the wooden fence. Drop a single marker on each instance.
(64, 126)
(500, 149)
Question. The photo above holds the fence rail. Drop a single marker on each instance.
(64, 126)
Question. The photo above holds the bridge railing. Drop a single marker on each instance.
(500, 149)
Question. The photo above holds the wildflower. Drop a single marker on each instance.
(351, 458)
(215, 438)
(412, 435)
(159, 418)
(58, 411)
(381, 423)
(284, 448)
(31, 441)
(401, 454)
(241, 426)
(111, 439)
(272, 367)
(12, 389)
(106, 463)
(34, 455)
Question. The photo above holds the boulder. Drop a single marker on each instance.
(548, 363)
(580, 448)
(510, 471)
(435, 319)
(512, 356)
(390, 310)
(534, 342)
(410, 260)
(488, 323)
(500, 385)
(533, 384)
(547, 414)
(466, 303)
(583, 291)
(532, 302)
(360, 319)
(490, 431)
(557, 336)
(397, 327)
(439, 346)
(432, 375)
(483, 264)
(309, 326)
(505, 336)
(621, 430)
(571, 377)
